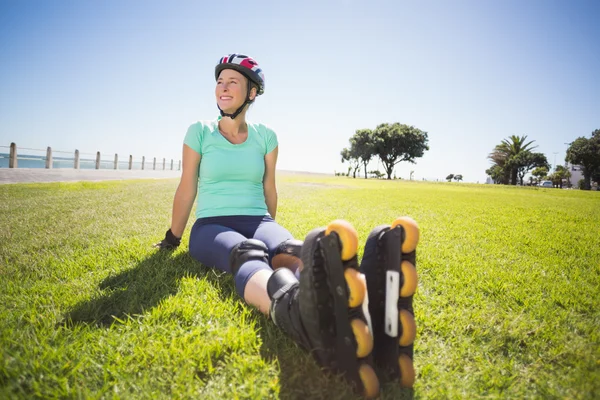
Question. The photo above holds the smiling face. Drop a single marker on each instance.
(231, 90)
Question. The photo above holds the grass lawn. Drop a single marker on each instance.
(508, 304)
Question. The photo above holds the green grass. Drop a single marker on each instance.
(508, 304)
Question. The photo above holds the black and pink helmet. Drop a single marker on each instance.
(244, 65)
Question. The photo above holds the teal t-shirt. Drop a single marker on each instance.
(230, 176)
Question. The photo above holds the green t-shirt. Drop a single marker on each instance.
(230, 175)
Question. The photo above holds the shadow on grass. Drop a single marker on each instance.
(136, 290)
(301, 378)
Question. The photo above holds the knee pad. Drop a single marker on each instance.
(292, 247)
(247, 250)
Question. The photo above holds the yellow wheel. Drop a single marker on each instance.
(369, 381)
(412, 233)
(407, 371)
(409, 328)
(356, 286)
(364, 339)
(348, 237)
(409, 273)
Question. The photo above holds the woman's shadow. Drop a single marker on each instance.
(137, 290)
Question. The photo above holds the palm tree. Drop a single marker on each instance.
(506, 151)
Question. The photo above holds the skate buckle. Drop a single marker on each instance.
(392, 293)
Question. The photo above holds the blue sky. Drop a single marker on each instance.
(129, 77)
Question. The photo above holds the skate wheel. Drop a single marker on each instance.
(348, 237)
(409, 272)
(364, 340)
(407, 371)
(412, 233)
(369, 381)
(357, 287)
(409, 328)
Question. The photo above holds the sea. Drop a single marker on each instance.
(38, 161)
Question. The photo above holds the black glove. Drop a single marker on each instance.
(170, 242)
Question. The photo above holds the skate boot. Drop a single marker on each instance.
(388, 264)
(323, 311)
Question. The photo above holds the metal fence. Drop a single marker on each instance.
(34, 158)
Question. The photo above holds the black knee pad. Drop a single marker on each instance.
(251, 249)
(292, 247)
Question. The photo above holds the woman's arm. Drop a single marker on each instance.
(269, 182)
(186, 191)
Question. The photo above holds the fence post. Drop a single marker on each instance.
(116, 161)
(154, 164)
(143, 162)
(171, 164)
(12, 161)
(179, 168)
(48, 157)
(130, 161)
(164, 161)
(76, 166)
(98, 160)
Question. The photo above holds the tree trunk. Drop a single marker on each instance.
(513, 177)
(587, 179)
(365, 164)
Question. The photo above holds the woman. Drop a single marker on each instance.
(317, 299)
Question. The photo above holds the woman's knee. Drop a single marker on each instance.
(287, 254)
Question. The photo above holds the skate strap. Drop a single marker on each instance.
(345, 351)
(283, 290)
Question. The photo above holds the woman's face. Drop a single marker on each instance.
(231, 90)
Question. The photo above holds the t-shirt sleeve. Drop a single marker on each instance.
(270, 140)
(193, 137)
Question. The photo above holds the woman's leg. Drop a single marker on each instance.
(213, 244)
(284, 250)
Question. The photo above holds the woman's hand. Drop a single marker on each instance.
(170, 242)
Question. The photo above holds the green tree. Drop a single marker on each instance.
(498, 174)
(526, 161)
(540, 173)
(595, 176)
(559, 174)
(362, 146)
(458, 177)
(586, 152)
(394, 143)
(353, 161)
(450, 177)
(505, 155)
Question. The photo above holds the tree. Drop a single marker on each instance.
(361, 145)
(559, 174)
(450, 177)
(377, 174)
(498, 174)
(504, 155)
(586, 152)
(525, 161)
(394, 143)
(458, 178)
(540, 173)
(353, 161)
(595, 176)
